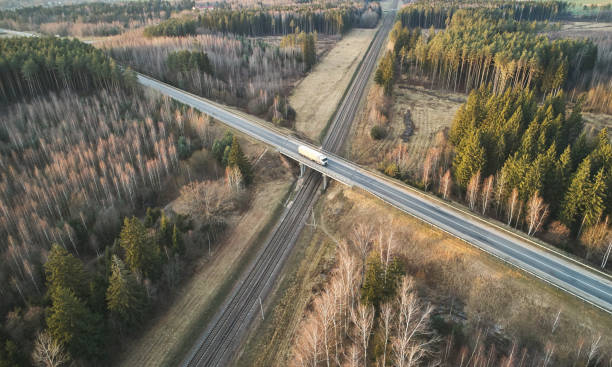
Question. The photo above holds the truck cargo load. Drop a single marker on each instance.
(312, 154)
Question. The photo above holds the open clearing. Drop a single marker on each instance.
(430, 111)
(174, 329)
(316, 97)
(483, 288)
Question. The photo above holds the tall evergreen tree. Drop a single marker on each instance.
(141, 254)
(178, 246)
(238, 159)
(595, 201)
(470, 158)
(63, 270)
(71, 323)
(576, 195)
(125, 298)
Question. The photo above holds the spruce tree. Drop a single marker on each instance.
(575, 197)
(63, 270)
(470, 158)
(71, 323)
(178, 246)
(125, 298)
(237, 158)
(141, 254)
(595, 201)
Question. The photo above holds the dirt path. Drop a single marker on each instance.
(160, 344)
(316, 97)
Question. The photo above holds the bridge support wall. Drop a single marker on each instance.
(325, 182)
(302, 169)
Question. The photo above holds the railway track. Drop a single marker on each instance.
(226, 330)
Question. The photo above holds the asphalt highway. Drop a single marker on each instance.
(560, 271)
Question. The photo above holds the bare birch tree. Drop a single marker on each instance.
(487, 191)
(472, 190)
(512, 203)
(363, 318)
(445, 184)
(386, 317)
(48, 352)
(537, 211)
(413, 339)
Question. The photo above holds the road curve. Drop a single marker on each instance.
(216, 346)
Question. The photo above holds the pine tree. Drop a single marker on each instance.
(237, 158)
(72, 324)
(63, 270)
(141, 254)
(125, 298)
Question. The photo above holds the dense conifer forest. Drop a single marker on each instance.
(486, 46)
(91, 19)
(516, 150)
(268, 22)
(34, 66)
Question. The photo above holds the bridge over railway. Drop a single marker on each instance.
(561, 271)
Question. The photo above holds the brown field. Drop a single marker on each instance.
(174, 329)
(430, 110)
(596, 121)
(482, 287)
(316, 97)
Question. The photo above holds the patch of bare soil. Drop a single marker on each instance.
(172, 329)
(316, 97)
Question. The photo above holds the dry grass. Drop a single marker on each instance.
(430, 110)
(596, 121)
(483, 288)
(316, 97)
(173, 328)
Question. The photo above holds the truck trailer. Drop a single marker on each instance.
(313, 155)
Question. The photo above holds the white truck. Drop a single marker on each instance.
(313, 155)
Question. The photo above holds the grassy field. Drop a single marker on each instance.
(482, 287)
(316, 97)
(173, 330)
(430, 111)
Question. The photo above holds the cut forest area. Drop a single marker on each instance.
(467, 307)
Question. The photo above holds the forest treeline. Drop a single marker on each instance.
(247, 73)
(481, 47)
(96, 18)
(32, 66)
(515, 151)
(439, 14)
(268, 22)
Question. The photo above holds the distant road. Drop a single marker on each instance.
(17, 33)
(588, 284)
